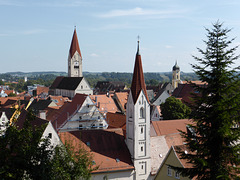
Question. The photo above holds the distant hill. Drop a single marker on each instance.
(93, 77)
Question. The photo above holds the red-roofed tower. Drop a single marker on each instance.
(138, 122)
(74, 58)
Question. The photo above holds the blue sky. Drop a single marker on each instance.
(36, 35)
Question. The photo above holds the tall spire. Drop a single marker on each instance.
(138, 82)
(74, 45)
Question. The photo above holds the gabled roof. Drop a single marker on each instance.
(36, 122)
(182, 148)
(74, 45)
(68, 83)
(121, 98)
(105, 103)
(58, 100)
(39, 104)
(8, 111)
(138, 83)
(56, 82)
(68, 110)
(107, 147)
(41, 89)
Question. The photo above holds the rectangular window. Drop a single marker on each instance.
(169, 171)
(50, 135)
(177, 175)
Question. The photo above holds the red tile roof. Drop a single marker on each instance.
(36, 122)
(107, 147)
(74, 45)
(122, 98)
(138, 82)
(40, 90)
(115, 120)
(9, 91)
(170, 126)
(105, 103)
(184, 162)
(59, 100)
(68, 110)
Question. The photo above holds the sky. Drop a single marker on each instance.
(36, 35)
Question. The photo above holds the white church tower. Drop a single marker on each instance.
(138, 123)
(75, 58)
(175, 75)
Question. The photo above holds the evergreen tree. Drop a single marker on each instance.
(173, 108)
(214, 145)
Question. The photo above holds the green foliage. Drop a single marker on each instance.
(22, 156)
(47, 78)
(70, 164)
(26, 155)
(12, 95)
(174, 109)
(214, 147)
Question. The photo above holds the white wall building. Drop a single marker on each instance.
(138, 123)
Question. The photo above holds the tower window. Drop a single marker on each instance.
(141, 130)
(142, 113)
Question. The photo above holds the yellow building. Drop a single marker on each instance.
(165, 172)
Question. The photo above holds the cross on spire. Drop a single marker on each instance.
(138, 37)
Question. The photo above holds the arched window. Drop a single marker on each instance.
(141, 112)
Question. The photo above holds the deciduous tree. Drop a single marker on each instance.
(174, 109)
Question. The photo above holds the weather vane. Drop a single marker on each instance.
(138, 37)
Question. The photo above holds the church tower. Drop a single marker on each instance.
(175, 76)
(138, 122)
(74, 58)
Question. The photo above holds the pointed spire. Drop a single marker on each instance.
(138, 46)
(74, 45)
(138, 82)
(176, 67)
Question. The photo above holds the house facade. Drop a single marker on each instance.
(80, 114)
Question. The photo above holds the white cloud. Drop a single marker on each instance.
(138, 12)
(10, 3)
(168, 46)
(115, 26)
(33, 31)
(4, 35)
(94, 55)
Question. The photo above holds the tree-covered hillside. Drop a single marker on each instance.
(46, 78)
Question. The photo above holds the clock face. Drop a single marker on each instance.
(76, 64)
